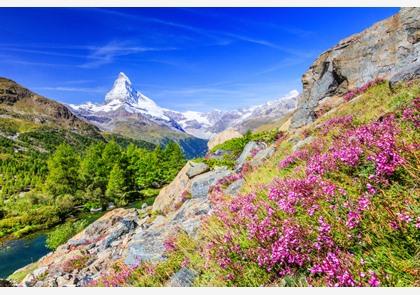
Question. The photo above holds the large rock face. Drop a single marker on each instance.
(171, 194)
(389, 49)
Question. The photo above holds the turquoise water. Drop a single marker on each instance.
(18, 253)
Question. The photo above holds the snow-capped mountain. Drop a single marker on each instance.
(205, 125)
(123, 98)
(123, 103)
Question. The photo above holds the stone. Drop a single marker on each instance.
(183, 278)
(171, 194)
(201, 184)
(40, 271)
(222, 137)
(61, 282)
(6, 283)
(389, 50)
(262, 156)
(302, 143)
(408, 73)
(197, 169)
(144, 206)
(246, 153)
(234, 187)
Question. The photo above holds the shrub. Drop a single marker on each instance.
(62, 233)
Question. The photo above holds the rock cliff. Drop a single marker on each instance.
(389, 49)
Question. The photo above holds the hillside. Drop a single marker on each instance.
(329, 197)
(55, 166)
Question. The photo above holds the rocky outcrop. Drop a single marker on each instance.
(389, 49)
(172, 194)
(197, 169)
(222, 137)
(83, 257)
(201, 184)
(183, 278)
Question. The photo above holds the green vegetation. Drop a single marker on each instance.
(40, 189)
(231, 149)
(62, 233)
(18, 276)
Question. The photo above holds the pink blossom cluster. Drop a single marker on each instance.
(170, 243)
(118, 277)
(279, 242)
(412, 114)
(354, 92)
(340, 121)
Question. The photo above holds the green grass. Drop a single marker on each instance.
(18, 276)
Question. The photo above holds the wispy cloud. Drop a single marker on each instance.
(94, 55)
(107, 53)
(74, 89)
(14, 61)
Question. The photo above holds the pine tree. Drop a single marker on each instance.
(116, 188)
(111, 155)
(63, 173)
(92, 168)
(173, 160)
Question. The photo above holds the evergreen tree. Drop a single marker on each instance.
(63, 173)
(111, 155)
(92, 168)
(173, 160)
(116, 188)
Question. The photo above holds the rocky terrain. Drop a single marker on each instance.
(389, 50)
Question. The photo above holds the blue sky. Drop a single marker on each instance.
(183, 58)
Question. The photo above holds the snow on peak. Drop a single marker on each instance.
(123, 95)
(122, 91)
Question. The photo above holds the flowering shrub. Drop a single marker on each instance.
(169, 243)
(321, 221)
(353, 93)
(117, 277)
(75, 263)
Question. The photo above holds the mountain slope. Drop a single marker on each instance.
(128, 112)
(20, 103)
(131, 112)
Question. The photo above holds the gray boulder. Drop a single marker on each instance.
(201, 184)
(234, 187)
(182, 278)
(246, 153)
(197, 169)
(262, 156)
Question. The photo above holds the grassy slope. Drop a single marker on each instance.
(393, 255)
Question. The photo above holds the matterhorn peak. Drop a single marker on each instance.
(122, 91)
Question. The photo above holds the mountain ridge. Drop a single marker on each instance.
(198, 124)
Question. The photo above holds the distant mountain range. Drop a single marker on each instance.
(40, 123)
(131, 113)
